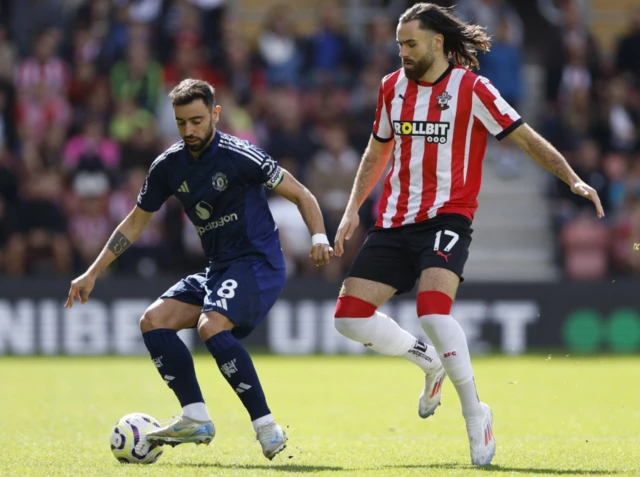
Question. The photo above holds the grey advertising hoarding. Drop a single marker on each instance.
(505, 318)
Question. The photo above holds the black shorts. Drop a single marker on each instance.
(397, 256)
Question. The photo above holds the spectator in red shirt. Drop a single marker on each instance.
(44, 66)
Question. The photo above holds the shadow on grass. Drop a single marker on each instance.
(500, 468)
(319, 468)
(278, 467)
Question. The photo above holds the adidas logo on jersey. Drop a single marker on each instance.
(434, 131)
(184, 188)
(221, 303)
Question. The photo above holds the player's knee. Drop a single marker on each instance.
(351, 314)
(206, 329)
(152, 319)
(433, 302)
(352, 328)
(145, 322)
(353, 307)
(212, 323)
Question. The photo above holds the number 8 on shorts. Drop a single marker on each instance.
(227, 289)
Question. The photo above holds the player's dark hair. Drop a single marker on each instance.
(461, 40)
(191, 89)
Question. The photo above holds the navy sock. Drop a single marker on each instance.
(174, 363)
(237, 367)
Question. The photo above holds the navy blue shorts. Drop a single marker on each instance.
(244, 292)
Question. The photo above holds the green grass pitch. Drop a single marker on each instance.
(345, 416)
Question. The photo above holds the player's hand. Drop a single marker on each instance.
(80, 289)
(585, 190)
(348, 225)
(321, 254)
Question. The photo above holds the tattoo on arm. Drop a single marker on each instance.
(118, 244)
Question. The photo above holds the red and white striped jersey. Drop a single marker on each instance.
(440, 131)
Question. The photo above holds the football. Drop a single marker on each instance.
(128, 442)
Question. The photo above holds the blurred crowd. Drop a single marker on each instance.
(84, 112)
(592, 115)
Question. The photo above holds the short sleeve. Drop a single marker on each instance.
(497, 116)
(155, 190)
(382, 125)
(260, 168)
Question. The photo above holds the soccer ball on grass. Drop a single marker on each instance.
(128, 432)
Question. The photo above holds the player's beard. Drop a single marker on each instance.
(420, 67)
(201, 143)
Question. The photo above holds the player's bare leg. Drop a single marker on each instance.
(159, 325)
(357, 319)
(436, 291)
(374, 292)
(237, 368)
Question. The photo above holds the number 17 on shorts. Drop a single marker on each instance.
(450, 249)
(446, 251)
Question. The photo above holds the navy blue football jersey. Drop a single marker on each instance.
(223, 194)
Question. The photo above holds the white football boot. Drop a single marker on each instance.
(182, 430)
(272, 438)
(481, 440)
(430, 397)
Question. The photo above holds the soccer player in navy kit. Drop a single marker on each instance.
(221, 183)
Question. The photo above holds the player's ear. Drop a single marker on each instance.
(216, 113)
(437, 42)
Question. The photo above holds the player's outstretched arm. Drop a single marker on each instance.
(548, 157)
(374, 160)
(292, 190)
(123, 236)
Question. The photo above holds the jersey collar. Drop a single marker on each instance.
(213, 147)
(442, 76)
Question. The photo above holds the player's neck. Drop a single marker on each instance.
(437, 69)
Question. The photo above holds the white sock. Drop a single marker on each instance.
(470, 408)
(423, 355)
(450, 342)
(383, 335)
(196, 411)
(378, 332)
(261, 421)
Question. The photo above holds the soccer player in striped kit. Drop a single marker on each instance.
(432, 120)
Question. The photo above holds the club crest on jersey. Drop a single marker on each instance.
(443, 100)
(433, 131)
(220, 182)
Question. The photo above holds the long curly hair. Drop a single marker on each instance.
(461, 40)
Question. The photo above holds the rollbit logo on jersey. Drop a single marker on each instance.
(434, 131)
